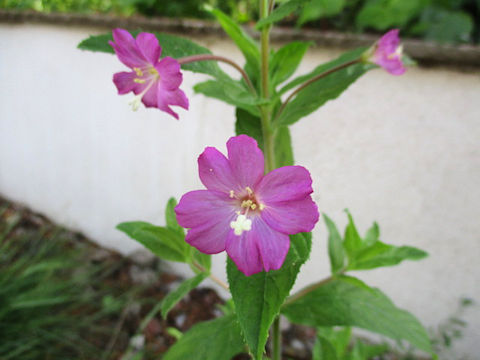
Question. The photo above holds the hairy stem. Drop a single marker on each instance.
(208, 57)
(211, 276)
(312, 80)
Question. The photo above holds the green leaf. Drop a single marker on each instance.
(281, 12)
(319, 92)
(163, 242)
(380, 254)
(362, 351)
(283, 147)
(352, 242)
(286, 60)
(320, 8)
(204, 260)
(385, 14)
(250, 125)
(258, 298)
(245, 43)
(171, 218)
(348, 301)
(174, 46)
(230, 91)
(218, 339)
(183, 289)
(335, 246)
(339, 339)
(372, 235)
(324, 350)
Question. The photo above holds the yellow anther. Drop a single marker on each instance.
(247, 203)
(153, 71)
(232, 194)
(138, 71)
(261, 207)
(139, 81)
(249, 190)
(253, 206)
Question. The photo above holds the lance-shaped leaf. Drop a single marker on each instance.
(320, 8)
(335, 246)
(286, 60)
(174, 46)
(170, 217)
(183, 289)
(245, 43)
(282, 11)
(218, 339)
(163, 242)
(230, 91)
(347, 301)
(258, 298)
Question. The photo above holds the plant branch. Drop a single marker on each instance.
(211, 276)
(208, 57)
(311, 81)
(276, 340)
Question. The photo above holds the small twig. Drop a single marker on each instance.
(207, 57)
(211, 276)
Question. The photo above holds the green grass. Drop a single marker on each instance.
(55, 303)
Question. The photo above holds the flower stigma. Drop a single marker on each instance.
(241, 224)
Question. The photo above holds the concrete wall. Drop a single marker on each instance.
(403, 151)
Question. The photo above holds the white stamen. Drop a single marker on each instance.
(241, 224)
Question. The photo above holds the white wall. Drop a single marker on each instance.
(403, 151)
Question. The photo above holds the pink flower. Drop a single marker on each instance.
(155, 82)
(388, 53)
(245, 212)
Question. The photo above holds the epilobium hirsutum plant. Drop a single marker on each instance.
(257, 204)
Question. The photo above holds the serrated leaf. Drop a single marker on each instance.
(258, 298)
(183, 289)
(171, 218)
(174, 46)
(335, 246)
(232, 92)
(163, 242)
(218, 339)
(286, 60)
(282, 11)
(245, 43)
(347, 301)
(339, 339)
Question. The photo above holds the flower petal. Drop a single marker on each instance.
(284, 184)
(124, 81)
(208, 214)
(389, 42)
(199, 207)
(169, 70)
(167, 98)
(260, 248)
(150, 98)
(215, 172)
(246, 160)
(126, 49)
(148, 45)
(291, 217)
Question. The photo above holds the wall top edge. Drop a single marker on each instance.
(463, 56)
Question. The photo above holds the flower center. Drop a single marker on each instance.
(248, 204)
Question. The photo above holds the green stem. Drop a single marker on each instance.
(276, 340)
(266, 111)
(211, 276)
(312, 80)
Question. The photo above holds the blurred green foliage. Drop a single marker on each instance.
(455, 21)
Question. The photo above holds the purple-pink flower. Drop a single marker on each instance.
(154, 81)
(243, 211)
(388, 53)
